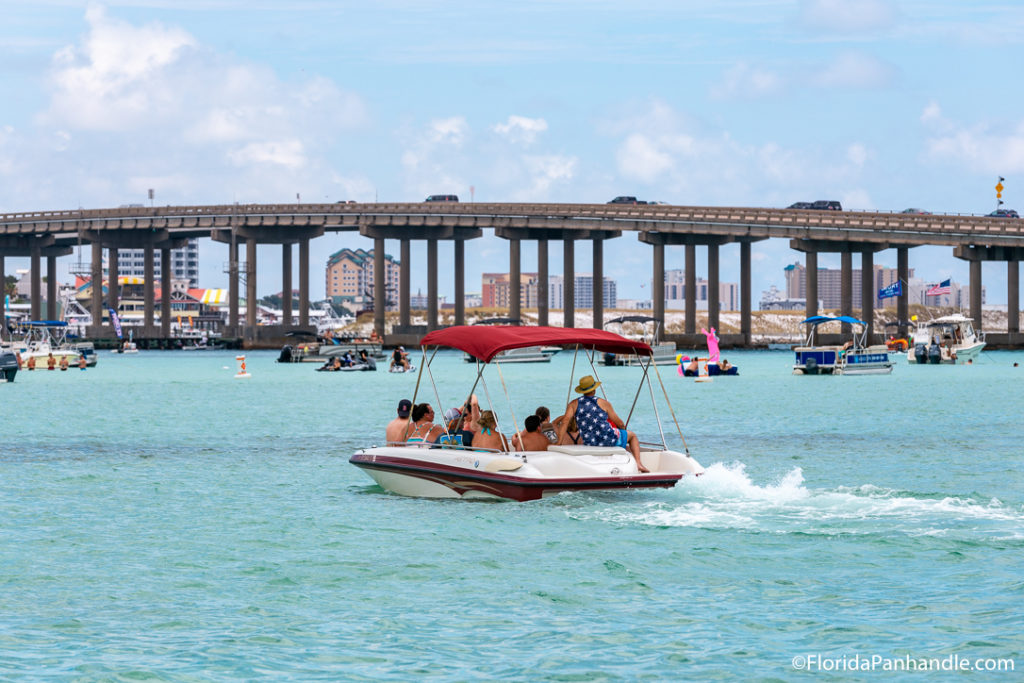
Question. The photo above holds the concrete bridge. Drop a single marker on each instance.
(53, 233)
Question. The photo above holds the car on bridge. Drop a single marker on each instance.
(624, 199)
(442, 198)
(1004, 213)
(827, 205)
(917, 212)
(801, 205)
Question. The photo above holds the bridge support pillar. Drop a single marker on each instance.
(304, 283)
(745, 295)
(36, 285)
(286, 285)
(232, 287)
(598, 284)
(658, 287)
(3, 297)
(542, 283)
(1013, 296)
(250, 288)
(714, 303)
(868, 293)
(903, 300)
(148, 292)
(404, 273)
(691, 289)
(976, 293)
(460, 281)
(811, 289)
(431, 284)
(846, 288)
(97, 290)
(514, 279)
(113, 281)
(568, 283)
(166, 310)
(379, 295)
(51, 287)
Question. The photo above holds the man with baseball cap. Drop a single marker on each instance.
(395, 431)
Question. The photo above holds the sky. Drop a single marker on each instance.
(881, 104)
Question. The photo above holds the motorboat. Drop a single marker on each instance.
(853, 357)
(41, 339)
(88, 351)
(664, 353)
(529, 354)
(8, 364)
(947, 340)
(451, 470)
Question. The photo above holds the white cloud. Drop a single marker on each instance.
(855, 70)
(858, 154)
(520, 129)
(847, 16)
(548, 171)
(745, 81)
(451, 131)
(287, 153)
(643, 158)
(980, 149)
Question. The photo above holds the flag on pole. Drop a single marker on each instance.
(895, 289)
(115, 321)
(940, 289)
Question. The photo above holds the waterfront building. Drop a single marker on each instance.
(350, 278)
(184, 263)
(830, 285)
(583, 292)
(495, 288)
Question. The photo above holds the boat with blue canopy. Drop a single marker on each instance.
(852, 357)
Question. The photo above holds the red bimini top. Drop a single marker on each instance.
(486, 341)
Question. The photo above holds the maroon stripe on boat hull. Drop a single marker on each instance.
(503, 485)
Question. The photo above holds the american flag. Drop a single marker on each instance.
(939, 289)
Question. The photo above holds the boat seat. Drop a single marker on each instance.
(503, 465)
(573, 449)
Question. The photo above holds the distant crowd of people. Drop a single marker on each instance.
(588, 420)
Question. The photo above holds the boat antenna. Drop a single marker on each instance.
(686, 448)
(572, 374)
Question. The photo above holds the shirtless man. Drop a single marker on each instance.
(531, 438)
(396, 429)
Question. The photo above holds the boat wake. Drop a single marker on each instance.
(726, 498)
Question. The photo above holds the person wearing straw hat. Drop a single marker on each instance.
(598, 422)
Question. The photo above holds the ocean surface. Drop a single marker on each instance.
(161, 520)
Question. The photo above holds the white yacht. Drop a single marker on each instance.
(950, 339)
(664, 353)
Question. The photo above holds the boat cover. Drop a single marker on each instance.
(485, 343)
(818, 319)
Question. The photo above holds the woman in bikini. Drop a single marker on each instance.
(489, 436)
(422, 428)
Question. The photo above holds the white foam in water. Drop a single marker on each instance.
(725, 497)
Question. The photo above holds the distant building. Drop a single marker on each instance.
(350, 278)
(184, 263)
(675, 293)
(583, 292)
(495, 288)
(473, 300)
(830, 285)
(772, 300)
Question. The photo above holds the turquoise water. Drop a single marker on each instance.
(162, 520)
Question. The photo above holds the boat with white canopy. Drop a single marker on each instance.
(450, 470)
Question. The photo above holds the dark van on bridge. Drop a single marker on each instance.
(624, 200)
(442, 198)
(827, 205)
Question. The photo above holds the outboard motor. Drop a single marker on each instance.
(934, 354)
(8, 365)
(921, 354)
(811, 366)
(286, 354)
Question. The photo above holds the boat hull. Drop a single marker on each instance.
(964, 353)
(458, 473)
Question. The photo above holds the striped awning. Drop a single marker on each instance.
(130, 280)
(214, 296)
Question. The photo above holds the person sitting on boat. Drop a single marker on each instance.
(692, 368)
(396, 429)
(457, 434)
(546, 428)
(572, 432)
(599, 424)
(725, 366)
(363, 356)
(422, 428)
(400, 358)
(531, 438)
(948, 352)
(346, 359)
(489, 436)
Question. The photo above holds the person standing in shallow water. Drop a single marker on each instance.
(595, 418)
